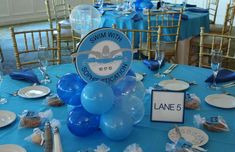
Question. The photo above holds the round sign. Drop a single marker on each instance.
(104, 54)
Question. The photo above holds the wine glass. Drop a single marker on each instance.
(159, 56)
(2, 100)
(43, 58)
(216, 60)
(184, 4)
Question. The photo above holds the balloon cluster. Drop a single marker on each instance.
(114, 109)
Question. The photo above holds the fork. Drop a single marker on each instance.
(189, 82)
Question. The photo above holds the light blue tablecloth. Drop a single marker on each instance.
(151, 136)
(189, 27)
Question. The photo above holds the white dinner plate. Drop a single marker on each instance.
(174, 85)
(33, 91)
(193, 135)
(6, 117)
(108, 8)
(221, 100)
(11, 148)
(139, 77)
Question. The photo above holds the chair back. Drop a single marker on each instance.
(61, 10)
(140, 40)
(168, 26)
(217, 42)
(213, 7)
(25, 44)
(228, 20)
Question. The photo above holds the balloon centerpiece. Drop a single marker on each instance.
(105, 93)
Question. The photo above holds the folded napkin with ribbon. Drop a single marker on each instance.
(136, 17)
(25, 75)
(189, 5)
(152, 64)
(223, 75)
(198, 10)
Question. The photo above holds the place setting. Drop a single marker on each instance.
(224, 99)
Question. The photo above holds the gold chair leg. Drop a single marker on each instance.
(2, 57)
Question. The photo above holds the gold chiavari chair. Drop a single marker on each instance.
(139, 38)
(26, 51)
(1, 55)
(226, 29)
(213, 8)
(61, 12)
(218, 42)
(168, 24)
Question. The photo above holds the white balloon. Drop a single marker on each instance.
(85, 18)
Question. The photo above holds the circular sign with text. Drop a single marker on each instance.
(104, 54)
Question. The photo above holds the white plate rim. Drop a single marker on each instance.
(210, 102)
(12, 115)
(14, 146)
(179, 81)
(203, 142)
(21, 94)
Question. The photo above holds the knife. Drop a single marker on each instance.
(231, 84)
(57, 147)
(170, 69)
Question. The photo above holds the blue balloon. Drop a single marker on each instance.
(131, 73)
(82, 123)
(116, 124)
(139, 90)
(75, 99)
(69, 85)
(124, 86)
(97, 97)
(131, 105)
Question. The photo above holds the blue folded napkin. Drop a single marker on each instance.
(223, 75)
(136, 17)
(189, 5)
(198, 10)
(25, 75)
(152, 64)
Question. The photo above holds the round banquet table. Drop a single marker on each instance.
(151, 136)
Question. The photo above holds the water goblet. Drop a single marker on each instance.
(216, 61)
(2, 100)
(43, 58)
(159, 56)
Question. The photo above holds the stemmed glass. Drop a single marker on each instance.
(159, 56)
(216, 60)
(43, 58)
(2, 100)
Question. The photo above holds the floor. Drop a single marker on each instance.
(9, 63)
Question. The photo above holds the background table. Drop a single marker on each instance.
(189, 28)
(151, 136)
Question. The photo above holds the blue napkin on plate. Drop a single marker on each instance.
(189, 5)
(152, 64)
(25, 75)
(224, 75)
(198, 10)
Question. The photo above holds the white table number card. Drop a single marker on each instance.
(167, 106)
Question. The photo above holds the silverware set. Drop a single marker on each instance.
(177, 130)
(52, 143)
